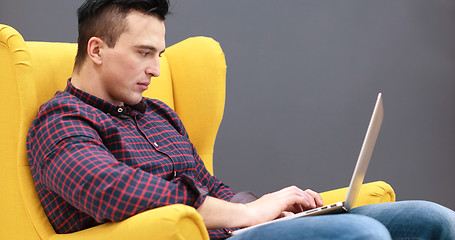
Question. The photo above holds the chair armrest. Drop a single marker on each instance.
(171, 222)
(370, 193)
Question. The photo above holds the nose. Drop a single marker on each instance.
(153, 68)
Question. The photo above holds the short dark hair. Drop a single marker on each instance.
(106, 19)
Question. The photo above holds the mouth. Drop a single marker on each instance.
(143, 85)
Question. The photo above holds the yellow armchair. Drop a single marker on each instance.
(192, 82)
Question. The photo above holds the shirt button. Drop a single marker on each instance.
(120, 110)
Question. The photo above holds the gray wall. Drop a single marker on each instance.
(302, 80)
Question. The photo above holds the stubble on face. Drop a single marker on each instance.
(129, 65)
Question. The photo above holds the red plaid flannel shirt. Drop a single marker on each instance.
(95, 162)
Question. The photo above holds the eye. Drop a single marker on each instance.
(144, 53)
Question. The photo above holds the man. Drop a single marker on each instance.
(100, 152)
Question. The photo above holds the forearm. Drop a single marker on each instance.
(218, 213)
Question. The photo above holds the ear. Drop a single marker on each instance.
(94, 48)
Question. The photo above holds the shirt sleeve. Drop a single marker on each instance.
(216, 188)
(83, 171)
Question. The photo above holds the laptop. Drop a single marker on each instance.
(357, 178)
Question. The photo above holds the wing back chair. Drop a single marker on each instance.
(192, 82)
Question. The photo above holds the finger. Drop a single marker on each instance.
(298, 208)
(287, 214)
(310, 201)
(303, 202)
(306, 199)
(316, 197)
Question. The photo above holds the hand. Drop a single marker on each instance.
(281, 203)
(217, 213)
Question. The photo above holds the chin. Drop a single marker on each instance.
(132, 102)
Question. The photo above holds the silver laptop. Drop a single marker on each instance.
(357, 177)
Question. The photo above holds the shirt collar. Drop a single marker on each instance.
(103, 105)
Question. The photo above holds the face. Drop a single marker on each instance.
(126, 69)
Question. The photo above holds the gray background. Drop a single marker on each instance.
(302, 80)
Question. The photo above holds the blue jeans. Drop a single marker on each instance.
(396, 220)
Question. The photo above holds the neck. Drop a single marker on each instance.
(87, 80)
(79, 79)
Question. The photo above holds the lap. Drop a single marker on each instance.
(407, 219)
(340, 226)
(421, 219)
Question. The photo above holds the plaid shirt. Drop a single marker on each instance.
(95, 162)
